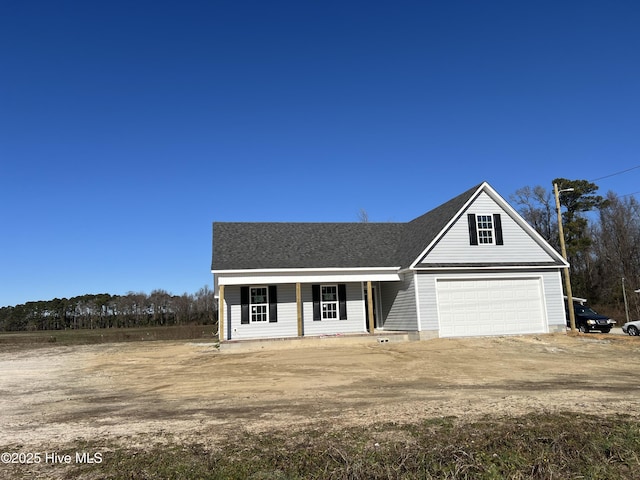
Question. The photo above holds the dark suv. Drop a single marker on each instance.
(587, 319)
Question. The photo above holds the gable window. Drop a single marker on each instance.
(259, 304)
(485, 229)
(329, 302)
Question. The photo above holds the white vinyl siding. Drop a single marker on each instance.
(286, 326)
(427, 301)
(454, 246)
(552, 282)
(355, 322)
(398, 300)
(551, 291)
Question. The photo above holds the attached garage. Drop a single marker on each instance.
(490, 306)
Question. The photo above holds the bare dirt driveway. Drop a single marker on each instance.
(55, 397)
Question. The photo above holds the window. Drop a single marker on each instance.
(259, 305)
(485, 229)
(329, 301)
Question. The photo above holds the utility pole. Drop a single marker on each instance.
(626, 305)
(567, 278)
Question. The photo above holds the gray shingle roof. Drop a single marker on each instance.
(327, 245)
(421, 231)
(303, 245)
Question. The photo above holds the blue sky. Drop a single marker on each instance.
(127, 128)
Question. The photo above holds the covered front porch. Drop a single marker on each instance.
(332, 306)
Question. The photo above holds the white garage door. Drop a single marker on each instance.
(472, 307)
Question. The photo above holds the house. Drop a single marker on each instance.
(472, 266)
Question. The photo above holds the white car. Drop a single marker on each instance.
(632, 328)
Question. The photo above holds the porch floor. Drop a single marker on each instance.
(346, 339)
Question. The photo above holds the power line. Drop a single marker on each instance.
(629, 194)
(617, 173)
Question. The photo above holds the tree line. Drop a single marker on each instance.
(602, 237)
(158, 308)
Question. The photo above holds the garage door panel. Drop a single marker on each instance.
(470, 307)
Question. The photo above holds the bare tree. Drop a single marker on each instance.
(205, 305)
(183, 307)
(616, 250)
(363, 216)
(536, 205)
(159, 306)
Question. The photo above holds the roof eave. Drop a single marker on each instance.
(306, 275)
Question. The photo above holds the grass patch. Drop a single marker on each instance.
(535, 446)
(107, 335)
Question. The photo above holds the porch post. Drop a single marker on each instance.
(370, 307)
(299, 308)
(221, 314)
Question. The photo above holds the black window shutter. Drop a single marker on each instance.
(315, 291)
(244, 305)
(273, 303)
(497, 226)
(342, 301)
(473, 234)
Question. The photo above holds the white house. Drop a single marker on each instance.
(472, 266)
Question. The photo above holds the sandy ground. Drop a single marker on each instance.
(56, 397)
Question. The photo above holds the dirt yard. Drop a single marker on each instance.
(56, 397)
